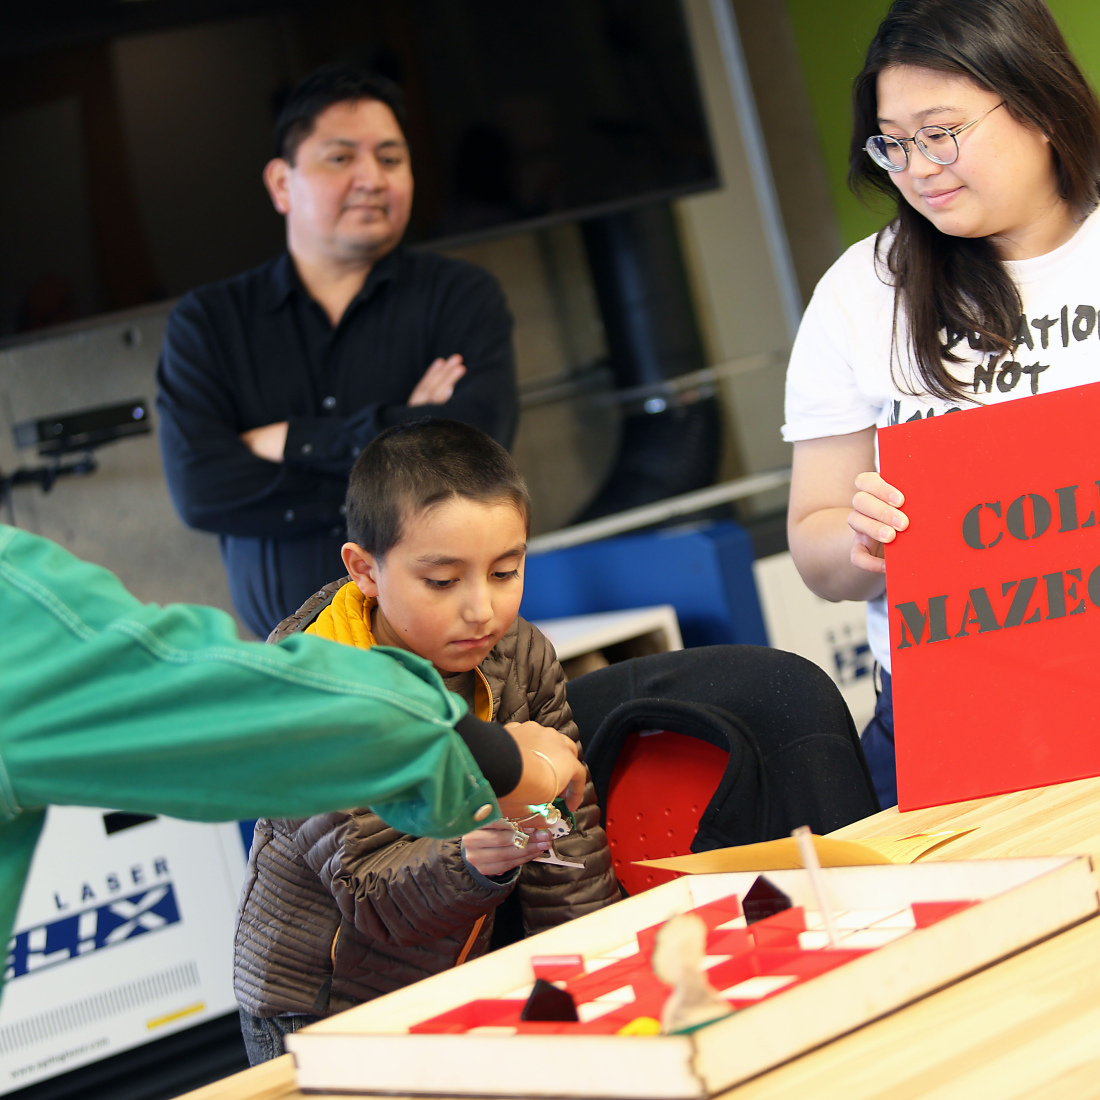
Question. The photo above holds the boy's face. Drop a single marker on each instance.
(452, 586)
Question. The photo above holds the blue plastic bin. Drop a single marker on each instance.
(704, 571)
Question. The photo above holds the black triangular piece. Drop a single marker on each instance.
(547, 1002)
(764, 899)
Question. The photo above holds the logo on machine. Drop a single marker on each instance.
(93, 929)
(852, 659)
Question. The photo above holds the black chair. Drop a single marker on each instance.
(794, 756)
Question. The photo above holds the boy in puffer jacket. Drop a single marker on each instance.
(339, 908)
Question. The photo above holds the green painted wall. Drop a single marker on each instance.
(832, 37)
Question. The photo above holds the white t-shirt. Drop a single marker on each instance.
(839, 379)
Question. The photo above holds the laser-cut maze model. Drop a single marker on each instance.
(745, 963)
(903, 931)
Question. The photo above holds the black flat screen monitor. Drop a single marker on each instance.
(135, 133)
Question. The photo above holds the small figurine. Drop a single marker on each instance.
(764, 899)
(548, 1002)
(677, 960)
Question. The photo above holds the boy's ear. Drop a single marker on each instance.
(362, 567)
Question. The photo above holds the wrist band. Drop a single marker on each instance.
(553, 771)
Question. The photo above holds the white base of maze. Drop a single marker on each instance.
(368, 1050)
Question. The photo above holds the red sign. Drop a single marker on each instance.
(994, 597)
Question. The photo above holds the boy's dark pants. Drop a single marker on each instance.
(263, 1038)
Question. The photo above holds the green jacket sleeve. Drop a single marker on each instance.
(106, 701)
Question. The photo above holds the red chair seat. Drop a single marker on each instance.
(660, 786)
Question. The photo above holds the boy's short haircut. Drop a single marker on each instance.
(411, 467)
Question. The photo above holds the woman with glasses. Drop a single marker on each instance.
(974, 117)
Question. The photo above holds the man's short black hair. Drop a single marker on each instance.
(319, 91)
(413, 466)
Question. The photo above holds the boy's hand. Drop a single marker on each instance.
(490, 849)
(569, 774)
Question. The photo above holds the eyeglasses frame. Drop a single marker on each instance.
(915, 140)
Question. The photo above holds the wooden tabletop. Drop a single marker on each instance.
(1047, 821)
(1026, 1027)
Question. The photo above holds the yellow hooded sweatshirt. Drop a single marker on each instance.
(347, 619)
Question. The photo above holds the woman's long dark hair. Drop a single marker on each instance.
(958, 284)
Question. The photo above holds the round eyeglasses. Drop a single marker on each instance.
(940, 144)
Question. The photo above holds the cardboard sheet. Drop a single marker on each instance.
(782, 854)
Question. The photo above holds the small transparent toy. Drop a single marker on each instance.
(555, 818)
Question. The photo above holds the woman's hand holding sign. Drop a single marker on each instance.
(876, 518)
(836, 538)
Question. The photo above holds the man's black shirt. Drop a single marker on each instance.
(257, 349)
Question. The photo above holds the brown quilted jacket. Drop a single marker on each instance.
(339, 908)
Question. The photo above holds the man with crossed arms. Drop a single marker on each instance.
(271, 382)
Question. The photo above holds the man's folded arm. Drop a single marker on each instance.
(473, 321)
(216, 482)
